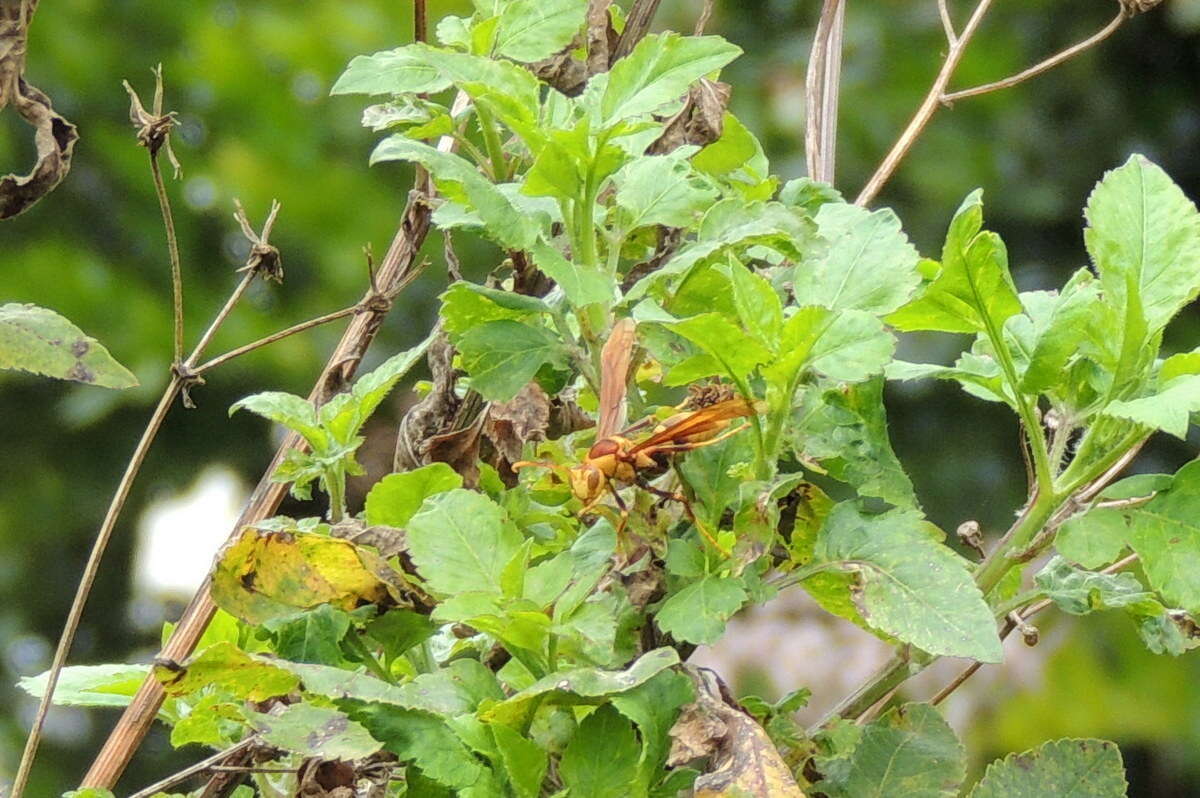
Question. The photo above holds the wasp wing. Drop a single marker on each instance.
(701, 420)
(614, 371)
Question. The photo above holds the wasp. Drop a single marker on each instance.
(617, 458)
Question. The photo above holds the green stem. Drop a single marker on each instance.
(1031, 521)
(1012, 605)
(354, 642)
(894, 673)
(491, 139)
(335, 486)
(1033, 428)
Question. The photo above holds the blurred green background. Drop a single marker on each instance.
(250, 82)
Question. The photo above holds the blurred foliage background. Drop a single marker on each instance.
(250, 81)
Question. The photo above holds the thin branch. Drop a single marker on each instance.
(164, 205)
(1010, 624)
(947, 23)
(200, 767)
(637, 25)
(398, 266)
(705, 16)
(1101, 482)
(420, 23)
(279, 336)
(1041, 66)
(927, 108)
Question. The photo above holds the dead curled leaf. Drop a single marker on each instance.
(741, 758)
(525, 417)
(54, 136)
(701, 120)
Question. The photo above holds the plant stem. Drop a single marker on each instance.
(201, 766)
(1042, 66)
(491, 139)
(925, 112)
(279, 336)
(1031, 521)
(104, 535)
(164, 206)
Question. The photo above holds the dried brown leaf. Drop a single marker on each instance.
(741, 757)
(54, 137)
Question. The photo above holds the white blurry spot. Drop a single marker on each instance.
(178, 537)
(306, 87)
(200, 193)
(27, 654)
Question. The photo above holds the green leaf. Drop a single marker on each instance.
(581, 285)
(730, 349)
(869, 265)
(661, 189)
(1144, 234)
(845, 429)
(1093, 539)
(212, 720)
(599, 761)
(1165, 532)
(396, 498)
(707, 472)
(1060, 338)
(910, 751)
(420, 738)
(658, 70)
(398, 71)
(654, 706)
(503, 356)
(530, 30)
(698, 612)
(974, 291)
(225, 666)
(579, 686)
(524, 761)
(556, 172)
(294, 412)
(1062, 768)
(731, 151)
(850, 345)
(90, 685)
(1169, 409)
(758, 306)
(1080, 592)
(463, 308)
(461, 541)
(311, 636)
(315, 731)
(345, 414)
(911, 586)
(398, 630)
(503, 221)
(40, 341)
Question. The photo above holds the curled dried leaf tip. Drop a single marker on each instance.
(1134, 7)
(153, 127)
(264, 258)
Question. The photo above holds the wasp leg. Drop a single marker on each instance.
(621, 506)
(687, 508)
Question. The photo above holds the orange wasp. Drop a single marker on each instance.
(614, 457)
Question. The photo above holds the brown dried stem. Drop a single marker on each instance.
(278, 336)
(211, 763)
(104, 535)
(927, 108)
(1041, 66)
(705, 16)
(398, 268)
(821, 89)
